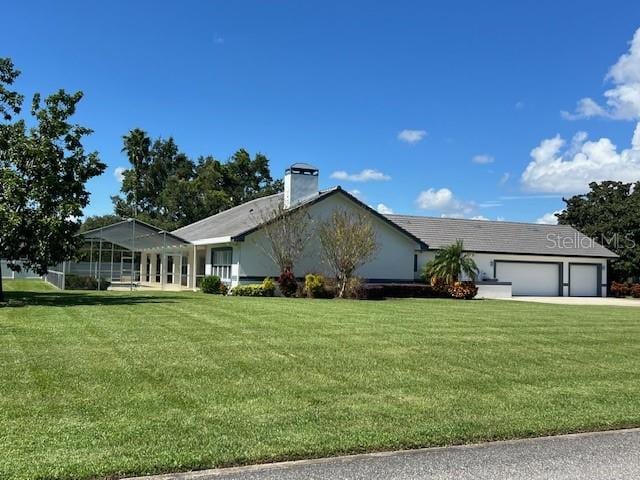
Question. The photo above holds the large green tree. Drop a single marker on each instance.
(96, 221)
(43, 172)
(610, 214)
(166, 188)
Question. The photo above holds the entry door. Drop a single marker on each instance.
(584, 280)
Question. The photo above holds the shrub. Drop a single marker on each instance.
(413, 290)
(463, 290)
(79, 282)
(439, 286)
(223, 289)
(251, 290)
(211, 284)
(287, 283)
(314, 286)
(620, 289)
(368, 292)
(353, 288)
(269, 287)
(635, 290)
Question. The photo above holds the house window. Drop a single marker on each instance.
(158, 268)
(147, 274)
(221, 259)
(169, 269)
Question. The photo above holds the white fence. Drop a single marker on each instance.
(8, 274)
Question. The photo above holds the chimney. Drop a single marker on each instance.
(300, 183)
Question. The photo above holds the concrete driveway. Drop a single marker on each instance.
(591, 456)
(602, 301)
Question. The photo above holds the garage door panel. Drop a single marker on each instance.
(583, 280)
(531, 279)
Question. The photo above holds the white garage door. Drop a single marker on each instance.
(583, 281)
(533, 279)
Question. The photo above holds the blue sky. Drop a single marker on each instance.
(395, 100)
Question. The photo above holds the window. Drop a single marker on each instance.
(170, 269)
(221, 259)
(147, 274)
(184, 274)
(158, 268)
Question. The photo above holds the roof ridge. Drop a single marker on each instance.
(479, 220)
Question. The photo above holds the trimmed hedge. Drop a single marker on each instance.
(403, 290)
(621, 290)
(265, 289)
(79, 282)
(379, 291)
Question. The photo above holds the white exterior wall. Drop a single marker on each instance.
(485, 265)
(394, 260)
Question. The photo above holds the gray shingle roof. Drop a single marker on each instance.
(502, 237)
(232, 222)
(240, 220)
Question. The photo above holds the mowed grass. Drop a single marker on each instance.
(118, 383)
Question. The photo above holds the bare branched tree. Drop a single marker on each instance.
(287, 232)
(348, 241)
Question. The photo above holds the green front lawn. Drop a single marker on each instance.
(116, 383)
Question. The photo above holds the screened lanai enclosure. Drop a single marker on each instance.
(129, 255)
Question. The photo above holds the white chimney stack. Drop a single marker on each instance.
(300, 183)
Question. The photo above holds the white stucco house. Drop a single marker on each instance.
(513, 258)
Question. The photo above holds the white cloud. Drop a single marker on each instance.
(500, 219)
(504, 178)
(411, 136)
(383, 209)
(548, 218)
(119, 173)
(443, 200)
(479, 217)
(623, 100)
(483, 159)
(356, 193)
(571, 170)
(366, 175)
(528, 197)
(490, 204)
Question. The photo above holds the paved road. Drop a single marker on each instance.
(596, 456)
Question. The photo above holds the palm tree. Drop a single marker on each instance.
(136, 146)
(450, 264)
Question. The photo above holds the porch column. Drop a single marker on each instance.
(194, 269)
(163, 267)
(143, 267)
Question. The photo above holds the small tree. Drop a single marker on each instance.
(287, 232)
(348, 241)
(450, 263)
(43, 172)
